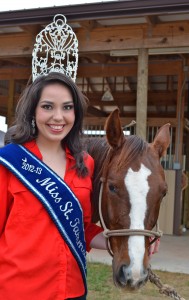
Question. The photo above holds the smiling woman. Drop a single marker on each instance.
(45, 189)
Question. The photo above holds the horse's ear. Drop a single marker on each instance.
(114, 132)
(162, 140)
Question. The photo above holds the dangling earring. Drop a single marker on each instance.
(33, 125)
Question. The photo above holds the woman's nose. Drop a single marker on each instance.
(58, 115)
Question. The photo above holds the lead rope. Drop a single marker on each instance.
(163, 288)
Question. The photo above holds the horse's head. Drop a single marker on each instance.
(134, 186)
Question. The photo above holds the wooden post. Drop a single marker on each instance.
(10, 101)
(180, 121)
(142, 93)
(178, 154)
(187, 151)
(178, 203)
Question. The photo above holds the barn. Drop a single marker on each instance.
(133, 55)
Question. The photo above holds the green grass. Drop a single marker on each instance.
(101, 286)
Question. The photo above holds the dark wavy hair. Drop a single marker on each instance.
(21, 132)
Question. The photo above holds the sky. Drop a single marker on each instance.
(6, 5)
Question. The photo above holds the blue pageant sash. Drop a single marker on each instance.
(58, 199)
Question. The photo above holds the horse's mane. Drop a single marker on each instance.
(132, 147)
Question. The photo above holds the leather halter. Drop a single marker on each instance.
(123, 232)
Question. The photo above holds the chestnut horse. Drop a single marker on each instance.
(133, 188)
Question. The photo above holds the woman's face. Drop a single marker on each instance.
(55, 115)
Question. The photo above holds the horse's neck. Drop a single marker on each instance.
(98, 149)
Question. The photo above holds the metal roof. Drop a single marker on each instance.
(100, 10)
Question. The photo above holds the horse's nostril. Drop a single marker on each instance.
(124, 276)
(121, 276)
(140, 283)
(143, 279)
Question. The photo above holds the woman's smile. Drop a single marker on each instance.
(56, 128)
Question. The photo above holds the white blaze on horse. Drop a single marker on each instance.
(133, 186)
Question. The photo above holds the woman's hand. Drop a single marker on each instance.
(153, 248)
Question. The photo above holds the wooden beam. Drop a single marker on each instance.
(96, 112)
(152, 20)
(15, 73)
(94, 57)
(18, 60)
(16, 45)
(162, 98)
(34, 29)
(156, 68)
(89, 24)
(175, 34)
(153, 122)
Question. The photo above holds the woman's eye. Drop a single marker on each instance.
(68, 107)
(47, 106)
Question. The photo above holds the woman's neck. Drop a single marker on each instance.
(49, 147)
(53, 155)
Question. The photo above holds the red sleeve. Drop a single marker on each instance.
(90, 232)
(5, 197)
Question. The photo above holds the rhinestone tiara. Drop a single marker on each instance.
(55, 50)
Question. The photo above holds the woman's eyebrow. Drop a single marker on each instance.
(51, 102)
(68, 102)
(46, 101)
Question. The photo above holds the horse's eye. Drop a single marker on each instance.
(112, 188)
(164, 194)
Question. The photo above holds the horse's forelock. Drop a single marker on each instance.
(132, 147)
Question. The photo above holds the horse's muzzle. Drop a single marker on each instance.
(125, 279)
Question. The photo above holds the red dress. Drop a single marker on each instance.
(35, 262)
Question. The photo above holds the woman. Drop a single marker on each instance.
(42, 251)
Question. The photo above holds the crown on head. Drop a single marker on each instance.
(55, 50)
